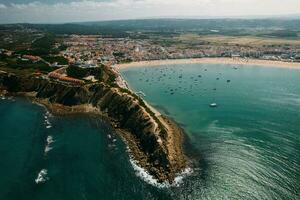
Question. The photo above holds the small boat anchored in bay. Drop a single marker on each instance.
(213, 105)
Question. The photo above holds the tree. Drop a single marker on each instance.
(76, 72)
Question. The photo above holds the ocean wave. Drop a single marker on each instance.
(47, 149)
(48, 126)
(145, 176)
(42, 176)
(112, 141)
(214, 127)
(286, 101)
(47, 117)
(10, 98)
(48, 145)
(50, 139)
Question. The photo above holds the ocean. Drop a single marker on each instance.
(248, 147)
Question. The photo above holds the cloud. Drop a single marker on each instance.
(31, 5)
(90, 10)
(2, 6)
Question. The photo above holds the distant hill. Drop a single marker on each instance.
(200, 24)
(122, 28)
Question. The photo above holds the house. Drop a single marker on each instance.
(31, 57)
(235, 55)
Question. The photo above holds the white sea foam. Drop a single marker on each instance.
(47, 149)
(48, 114)
(42, 176)
(180, 177)
(214, 127)
(50, 139)
(287, 101)
(145, 176)
(49, 142)
(47, 120)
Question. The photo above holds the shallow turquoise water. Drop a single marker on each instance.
(248, 147)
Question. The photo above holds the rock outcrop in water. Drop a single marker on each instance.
(155, 142)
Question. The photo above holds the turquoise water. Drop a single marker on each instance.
(248, 147)
(82, 157)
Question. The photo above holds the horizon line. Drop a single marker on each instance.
(295, 16)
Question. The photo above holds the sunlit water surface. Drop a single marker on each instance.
(246, 148)
(249, 146)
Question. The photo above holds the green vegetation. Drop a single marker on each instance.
(97, 72)
(3, 57)
(81, 29)
(62, 47)
(28, 43)
(112, 80)
(79, 73)
(124, 61)
(18, 64)
(119, 54)
(282, 34)
(43, 46)
(40, 47)
(59, 59)
(76, 72)
(16, 40)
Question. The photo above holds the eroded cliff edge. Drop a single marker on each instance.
(155, 142)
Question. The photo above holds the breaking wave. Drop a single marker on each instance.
(48, 145)
(145, 176)
(42, 176)
(47, 120)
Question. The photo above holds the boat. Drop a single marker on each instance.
(213, 105)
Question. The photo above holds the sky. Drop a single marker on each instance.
(54, 11)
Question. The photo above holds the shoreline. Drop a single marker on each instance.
(232, 61)
(133, 153)
(155, 142)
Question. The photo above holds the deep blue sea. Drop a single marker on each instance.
(246, 148)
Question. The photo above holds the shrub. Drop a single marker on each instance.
(76, 72)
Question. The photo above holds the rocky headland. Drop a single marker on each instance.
(155, 141)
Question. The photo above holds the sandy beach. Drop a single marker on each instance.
(235, 61)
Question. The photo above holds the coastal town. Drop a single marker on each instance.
(87, 51)
(93, 50)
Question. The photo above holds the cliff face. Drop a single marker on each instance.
(155, 142)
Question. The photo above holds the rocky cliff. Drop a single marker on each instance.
(154, 141)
